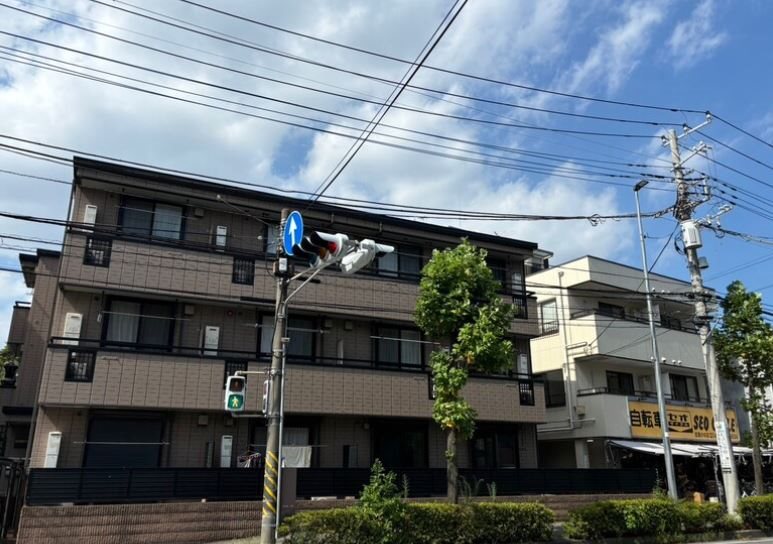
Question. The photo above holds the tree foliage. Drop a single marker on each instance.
(459, 306)
(744, 347)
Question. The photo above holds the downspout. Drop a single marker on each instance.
(567, 375)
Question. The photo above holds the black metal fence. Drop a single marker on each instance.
(75, 485)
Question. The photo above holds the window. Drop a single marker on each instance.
(498, 269)
(520, 307)
(516, 278)
(549, 317)
(302, 332)
(522, 356)
(405, 262)
(670, 322)
(243, 271)
(400, 444)
(272, 239)
(146, 323)
(612, 310)
(80, 366)
(140, 217)
(97, 252)
(555, 394)
(684, 387)
(494, 448)
(231, 367)
(399, 347)
(620, 383)
(21, 433)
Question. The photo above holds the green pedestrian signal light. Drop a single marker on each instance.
(234, 393)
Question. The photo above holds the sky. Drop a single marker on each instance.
(705, 55)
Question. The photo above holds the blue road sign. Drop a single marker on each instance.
(293, 232)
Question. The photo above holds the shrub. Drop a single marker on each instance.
(757, 512)
(442, 523)
(334, 526)
(645, 517)
(701, 518)
(380, 500)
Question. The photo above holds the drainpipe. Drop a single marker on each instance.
(567, 375)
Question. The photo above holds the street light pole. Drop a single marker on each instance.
(670, 479)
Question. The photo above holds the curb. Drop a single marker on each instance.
(746, 534)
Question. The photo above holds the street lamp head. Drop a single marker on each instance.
(641, 185)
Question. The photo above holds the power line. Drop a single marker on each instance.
(739, 129)
(426, 51)
(734, 150)
(518, 151)
(430, 67)
(554, 169)
(297, 85)
(416, 89)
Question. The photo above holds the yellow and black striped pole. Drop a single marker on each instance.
(271, 479)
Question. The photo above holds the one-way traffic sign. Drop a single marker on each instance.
(293, 232)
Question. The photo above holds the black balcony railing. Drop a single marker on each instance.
(638, 394)
(83, 346)
(666, 322)
(95, 485)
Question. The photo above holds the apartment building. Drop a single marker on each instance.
(27, 340)
(164, 289)
(595, 356)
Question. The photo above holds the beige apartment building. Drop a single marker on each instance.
(595, 356)
(27, 340)
(163, 289)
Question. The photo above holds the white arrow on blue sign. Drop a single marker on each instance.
(293, 231)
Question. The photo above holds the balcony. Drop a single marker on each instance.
(595, 333)
(196, 271)
(647, 396)
(120, 376)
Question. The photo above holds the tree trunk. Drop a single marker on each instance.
(759, 485)
(452, 471)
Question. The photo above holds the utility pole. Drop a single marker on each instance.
(271, 481)
(683, 212)
(668, 458)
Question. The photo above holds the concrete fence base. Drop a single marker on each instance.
(196, 522)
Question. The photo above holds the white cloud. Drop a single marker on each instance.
(695, 38)
(618, 50)
(520, 41)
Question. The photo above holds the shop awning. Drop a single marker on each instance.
(653, 448)
(677, 448)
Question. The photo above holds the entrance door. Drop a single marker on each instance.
(115, 441)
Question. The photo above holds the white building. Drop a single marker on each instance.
(595, 356)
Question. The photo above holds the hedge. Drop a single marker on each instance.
(757, 512)
(477, 523)
(646, 517)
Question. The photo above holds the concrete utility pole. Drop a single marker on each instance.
(691, 236)
(669, 459)
(271, 481)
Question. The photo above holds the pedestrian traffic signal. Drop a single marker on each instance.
(322, 248)
(234, 393)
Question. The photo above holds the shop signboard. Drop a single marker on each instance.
(685, 423)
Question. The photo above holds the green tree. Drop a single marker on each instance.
(459, 307)
(744, 347)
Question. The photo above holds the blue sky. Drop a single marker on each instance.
(702, 55)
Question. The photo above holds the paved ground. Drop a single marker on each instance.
(767, 540)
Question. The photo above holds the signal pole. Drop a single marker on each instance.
(271, 480)
(683, 212)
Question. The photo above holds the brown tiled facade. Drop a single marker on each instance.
(166, 262)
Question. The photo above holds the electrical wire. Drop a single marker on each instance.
(295, 85)
(546, 156)
(430, 67)
(384, 108)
